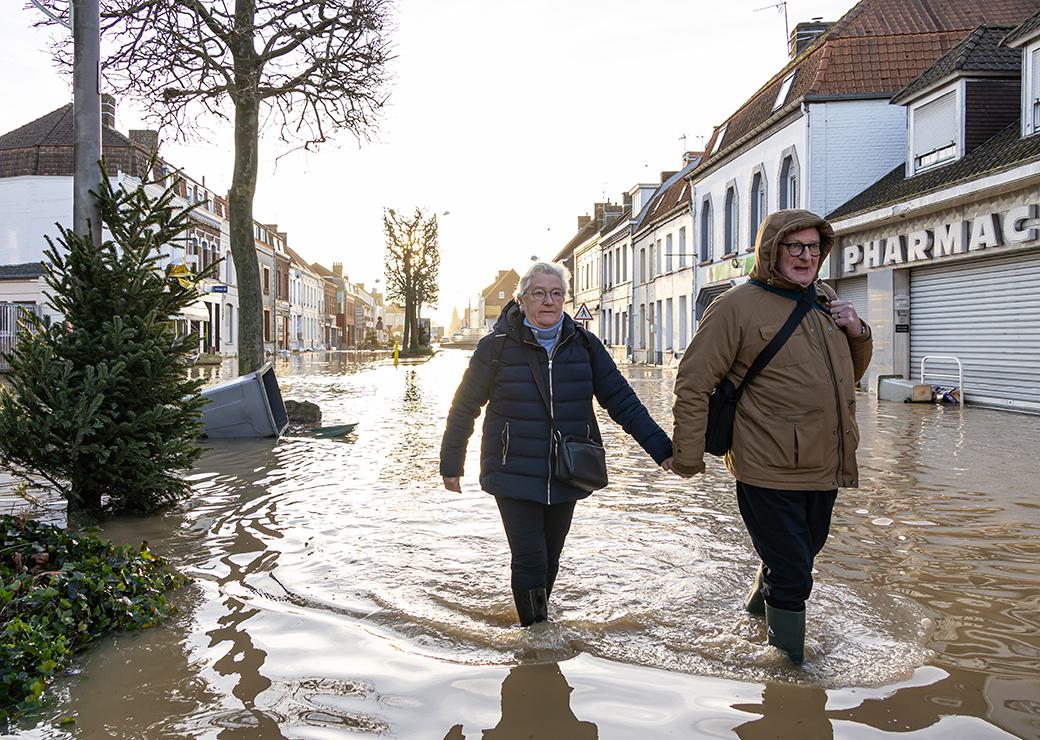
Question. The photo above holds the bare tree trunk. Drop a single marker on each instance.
(243, 247)
(240, 199)
(407, 326)
(415, 327)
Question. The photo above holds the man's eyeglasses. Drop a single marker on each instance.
(796, 249)
(539, 295)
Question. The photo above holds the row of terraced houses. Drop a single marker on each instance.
(307, 305)
(914, 127)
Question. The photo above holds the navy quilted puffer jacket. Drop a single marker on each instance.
(514, 454)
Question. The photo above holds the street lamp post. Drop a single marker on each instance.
(86, 112)
(85, 24)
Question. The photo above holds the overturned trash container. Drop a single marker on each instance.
(248, 406)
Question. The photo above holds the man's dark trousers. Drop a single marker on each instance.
(788, 529)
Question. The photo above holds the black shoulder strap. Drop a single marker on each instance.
(804, 305)
(498, 342)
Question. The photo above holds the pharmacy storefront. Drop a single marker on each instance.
(951, 275)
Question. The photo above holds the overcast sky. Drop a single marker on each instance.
(513, 117)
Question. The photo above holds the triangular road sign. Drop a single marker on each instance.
(583, 314)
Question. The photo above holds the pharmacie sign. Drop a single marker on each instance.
(985, 231)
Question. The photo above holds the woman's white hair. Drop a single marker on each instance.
(550, 268)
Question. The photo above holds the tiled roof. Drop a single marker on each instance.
(875, 50)
(320, 269)
(1004, 151)
(295, 258)
(1028, 28)
(673, 192)
(55, 129)
(614, 222)
(980, 51)
(22, 271)
(584, 233)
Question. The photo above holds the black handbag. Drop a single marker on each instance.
(722, 402)
(577, 461)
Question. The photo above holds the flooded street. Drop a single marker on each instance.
(339, 590)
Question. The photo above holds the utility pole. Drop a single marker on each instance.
(86, 113)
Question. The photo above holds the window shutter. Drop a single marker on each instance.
(935, 124)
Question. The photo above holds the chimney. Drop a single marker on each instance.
(108, 111)
(804, 34)
(337, 268)
(147, 140)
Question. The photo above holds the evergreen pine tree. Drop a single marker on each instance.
(99, 404)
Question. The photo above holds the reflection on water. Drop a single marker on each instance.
(535, 691)
(340, 589)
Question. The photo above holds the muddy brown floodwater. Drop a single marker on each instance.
(339, 591)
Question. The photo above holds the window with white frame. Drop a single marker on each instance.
(707, 232)
(682, 247)
(719, 138)
(785, 90)
(934, 131)
(668, 253)
(668, 324)
(642, 326)
(789, 183)
(658, 270)
(683, 323)
(1033, 107)
(758, 205)
(731, 221)
(641, 277)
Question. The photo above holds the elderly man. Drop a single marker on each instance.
(794, 432)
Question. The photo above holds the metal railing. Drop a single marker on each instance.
(11, 315)
(959, 377)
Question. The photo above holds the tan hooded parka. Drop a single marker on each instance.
(795, 426)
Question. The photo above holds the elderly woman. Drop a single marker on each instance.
(533, 335)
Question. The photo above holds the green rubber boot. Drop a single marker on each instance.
(787, 631)
(755, 603)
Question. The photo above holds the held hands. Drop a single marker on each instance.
(845, 316)
(453, 483)
(666, 465)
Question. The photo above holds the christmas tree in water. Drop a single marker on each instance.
(98, 404)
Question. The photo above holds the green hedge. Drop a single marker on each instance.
(60, 590)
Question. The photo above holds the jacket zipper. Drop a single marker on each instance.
(552, 440)
(837, 399)
(505, 442)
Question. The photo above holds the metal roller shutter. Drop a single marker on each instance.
(986, 312)
(855, 289)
